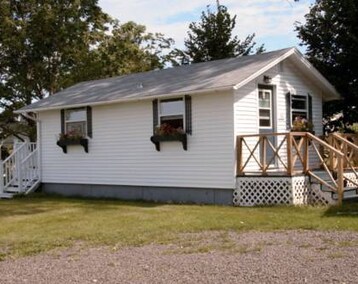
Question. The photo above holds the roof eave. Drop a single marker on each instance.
(330, 91)
(264, 69)
(126, 100)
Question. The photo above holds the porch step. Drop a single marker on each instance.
(12, 189)
(6, 195)
(351, 200)
(349, 192)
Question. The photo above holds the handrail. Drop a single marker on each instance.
(346, 141)
(29, 156)
(30, 170)
(337, 152)
(14, 153)
(19, 168)
(348, 156)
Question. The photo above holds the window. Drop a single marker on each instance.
(175, 112)
(299, 107)
(76, 121)
(172, 112)
(265, 108)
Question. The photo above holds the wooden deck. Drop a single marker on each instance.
(297, 153)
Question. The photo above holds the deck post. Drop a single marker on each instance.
(306, 157)
(345, 152)
(238, 155)
(1, 177)
(263, 153)
(289, 153)
(340, 181)
(18, 158)
(331, 154)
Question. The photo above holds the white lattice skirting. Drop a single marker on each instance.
(353, 177)
(296, 190)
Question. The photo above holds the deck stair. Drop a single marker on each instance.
(350, 192)
(20, 172)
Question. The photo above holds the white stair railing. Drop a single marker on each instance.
(30, 172)
(20, 170)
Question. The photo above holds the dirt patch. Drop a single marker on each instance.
(208, 257)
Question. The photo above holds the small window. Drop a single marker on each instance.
(265, 108)
(172, 112)
(299, 107)
(76, 121)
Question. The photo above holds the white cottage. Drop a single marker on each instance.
(99, 138)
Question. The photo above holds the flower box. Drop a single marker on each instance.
(64, 142)
(156, 139)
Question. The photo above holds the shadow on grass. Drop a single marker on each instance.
(38, 203)
(346, 210)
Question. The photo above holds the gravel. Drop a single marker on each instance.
(208, 257)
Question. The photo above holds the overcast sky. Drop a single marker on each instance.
(271, 20)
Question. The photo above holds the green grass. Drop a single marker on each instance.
(38, 223)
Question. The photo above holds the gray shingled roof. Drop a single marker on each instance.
(185, 79)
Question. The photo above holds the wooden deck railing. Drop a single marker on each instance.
(295, 153)
(348, 145)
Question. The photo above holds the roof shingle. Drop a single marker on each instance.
(178, 80)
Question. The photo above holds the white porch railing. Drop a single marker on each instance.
(20, 172)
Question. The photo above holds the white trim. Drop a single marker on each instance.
(183, 114)
(66, 122)
(264, 69)
(299, 110)
(270, 108)
(298, 56)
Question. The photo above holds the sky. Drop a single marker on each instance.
(271, 20)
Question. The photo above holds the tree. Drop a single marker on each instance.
(41, 44)
(48, 45)
(131, 49)
(331, 37)
(212, 39)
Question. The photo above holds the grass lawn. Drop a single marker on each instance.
(38, 223)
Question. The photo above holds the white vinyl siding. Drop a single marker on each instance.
(285, 78)
(121, 153)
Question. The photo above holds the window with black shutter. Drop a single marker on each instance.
(176, 113)
(77, 121)
(172, 112)
(172, 120)
(299, 107)
(76, 127)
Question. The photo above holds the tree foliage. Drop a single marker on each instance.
(212, 38)
(331, 37)
(48, 45)
(131, 49)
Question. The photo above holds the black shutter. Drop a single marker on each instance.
(155, 114)
(188, 115)
(310, 107)
(62, 121)
(89, 121)
(288, 110)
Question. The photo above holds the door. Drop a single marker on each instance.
(266, 121)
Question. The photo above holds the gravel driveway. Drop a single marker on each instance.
(209, 257)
